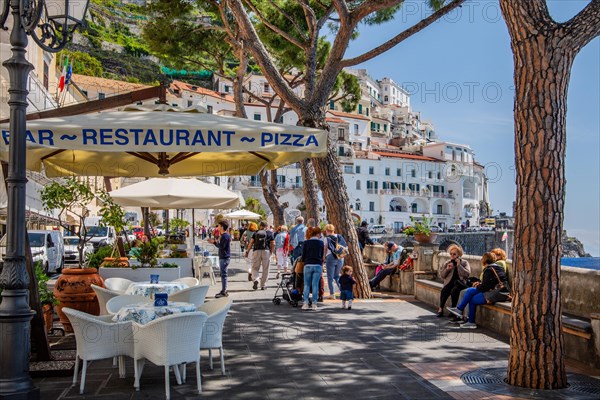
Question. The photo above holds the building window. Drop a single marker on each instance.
(226, 88)
(413, 207)
(373, 126)
(331, 105)
(357, 169)
(385, 98)
(347, 169)
(189, 103)
(367, 113)
(413, 173)
(257, 117)
(356, 129)
(398, 171)
(387, 171)
(217, 180)
(439, 175)
(101, 96)
(341, 134)
(371, 170)
(440, 209)
(430, 175)
(357, 185)
(298, 181)
(357, 206)
(209, 109)
(371, 206)
(266, 87)
(385, 127)
(360, 108)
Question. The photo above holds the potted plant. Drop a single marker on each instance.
(47, 298)
(113, 215)
(73, 287)
(420, 230)
(147, 253)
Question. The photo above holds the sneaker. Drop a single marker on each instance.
(255, 285)
(455, 319)
(314, 307)
(455, 311)
(440, 314)
(262, 288)
(305, 306)
(463, 321)
(349, 307)
(221, 294)
(469, 325)
(331, 297)
(249, 276)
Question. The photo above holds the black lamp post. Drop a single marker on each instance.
(51, 24)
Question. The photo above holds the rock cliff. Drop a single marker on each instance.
(572, 247)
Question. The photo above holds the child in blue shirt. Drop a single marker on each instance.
(346, 283)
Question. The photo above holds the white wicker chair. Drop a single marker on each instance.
(194, 295)
(116, 303)
(117, 284)
(204, 266)
(212, 334)
(98, 338)
(189, 281)
(169, 341)
(104, 295)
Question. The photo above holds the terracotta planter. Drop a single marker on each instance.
(48, 310)
(422, 238)
(73, 289)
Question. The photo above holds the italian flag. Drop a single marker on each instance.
(61, 82)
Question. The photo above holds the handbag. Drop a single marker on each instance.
(498, 294)
(299, 267)
(339, 251)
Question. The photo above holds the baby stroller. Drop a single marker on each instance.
(288, 292)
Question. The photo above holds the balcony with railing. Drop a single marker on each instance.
(414, 193)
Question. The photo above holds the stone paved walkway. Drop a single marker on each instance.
(381, 349)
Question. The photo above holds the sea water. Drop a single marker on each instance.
(582, 262)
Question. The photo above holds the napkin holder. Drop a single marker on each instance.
(160, 299)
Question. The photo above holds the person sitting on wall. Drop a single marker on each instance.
(394, 252)
(454, 273)
(363, 235)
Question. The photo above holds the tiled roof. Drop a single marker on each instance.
(108, 85)
(200, 90)
(403, 155)
(335, 120)
(348, 115)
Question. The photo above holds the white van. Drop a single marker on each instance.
(100, 235)
(377, 229)
(47, 247)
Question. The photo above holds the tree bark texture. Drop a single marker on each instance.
(271, 196)
(543, 58)
(309, 184)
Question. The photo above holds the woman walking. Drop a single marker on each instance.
(313, 255)
(333, 264)
(282, 241)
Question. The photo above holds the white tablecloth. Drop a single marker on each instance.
(145, 312)
(148, 289)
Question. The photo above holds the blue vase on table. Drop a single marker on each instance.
(160, 299)
(154, 278)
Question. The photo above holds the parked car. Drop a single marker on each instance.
(71, 251)
(377, 229)
(435, 229)
(47, 247)
(455, 228)
(472, 229)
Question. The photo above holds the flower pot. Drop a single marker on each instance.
(73, 289)
(48, 312)
(422, 238)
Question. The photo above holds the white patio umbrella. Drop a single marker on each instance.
(172, 193)
(242, 214)
(164, 141)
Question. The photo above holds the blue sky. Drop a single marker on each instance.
(460, 74)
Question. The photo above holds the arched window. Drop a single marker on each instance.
(413, 207)
(357, 185)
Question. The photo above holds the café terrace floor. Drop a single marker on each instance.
(384, 348)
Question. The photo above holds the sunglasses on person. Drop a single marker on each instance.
(453, 254)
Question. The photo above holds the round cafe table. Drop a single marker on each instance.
(143, 313)
(148, 289)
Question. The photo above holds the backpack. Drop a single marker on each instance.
(339, 251)
(260, 240)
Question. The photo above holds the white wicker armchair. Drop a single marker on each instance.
(104, 295)
(117, 284)
(194, 295)
(188, 280)
(169, 341)
(116, 303)
(98, 338)
(212, 334)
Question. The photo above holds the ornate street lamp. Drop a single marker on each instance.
(51, 25)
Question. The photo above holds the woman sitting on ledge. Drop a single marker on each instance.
(475, 295)
(454, 273)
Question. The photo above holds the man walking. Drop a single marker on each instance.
(262, 245)
(224, 246)
(297, 236)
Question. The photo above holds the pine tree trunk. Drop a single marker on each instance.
(542, 70)
(337, 203)
(272, 197)
(309, 184)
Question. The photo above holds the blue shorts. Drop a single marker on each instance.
(346, 295)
